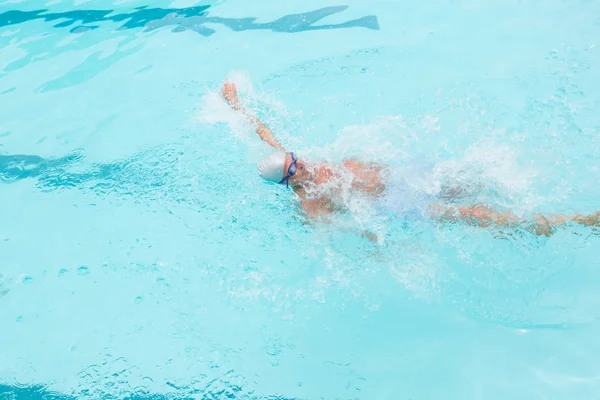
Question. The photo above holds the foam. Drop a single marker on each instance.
(489, 173)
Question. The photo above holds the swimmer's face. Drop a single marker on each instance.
(301, 174)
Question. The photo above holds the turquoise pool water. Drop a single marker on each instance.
(142, 257)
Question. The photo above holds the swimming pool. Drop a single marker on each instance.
(142, 257)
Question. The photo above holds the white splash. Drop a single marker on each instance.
(489, 172)
(215, 110)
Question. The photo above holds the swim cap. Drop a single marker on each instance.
(271, 167)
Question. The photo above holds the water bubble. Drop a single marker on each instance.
(273, 350)
(83, 270)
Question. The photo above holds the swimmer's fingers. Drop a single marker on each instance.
(229, 87)
(229, 92)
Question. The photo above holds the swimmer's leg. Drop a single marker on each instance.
(483, 216)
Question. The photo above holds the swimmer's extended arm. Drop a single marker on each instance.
(483, 216)
(229, 93)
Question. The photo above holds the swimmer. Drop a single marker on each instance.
(370, 179)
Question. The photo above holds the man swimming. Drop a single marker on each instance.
(319, 186)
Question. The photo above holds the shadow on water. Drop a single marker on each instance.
(148, 169)
(161, 172)
(183, 19)
(21, 166)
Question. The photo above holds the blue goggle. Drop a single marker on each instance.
(291, 170)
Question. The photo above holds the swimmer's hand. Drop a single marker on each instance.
(229, 93)
(370, 235)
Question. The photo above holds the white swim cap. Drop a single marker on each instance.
(271, 167)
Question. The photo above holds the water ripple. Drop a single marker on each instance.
(183, 19)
